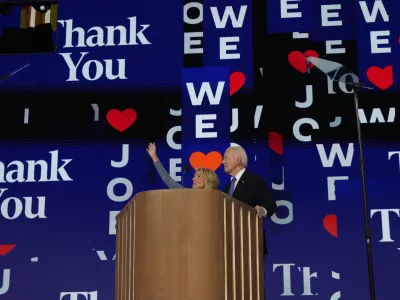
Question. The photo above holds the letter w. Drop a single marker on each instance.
(336, 151)
(228, 13)
(371, 17)
(205, 89)
(377, 116)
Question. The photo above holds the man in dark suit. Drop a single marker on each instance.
(246, 186)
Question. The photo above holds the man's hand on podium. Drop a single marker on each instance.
(260, 211)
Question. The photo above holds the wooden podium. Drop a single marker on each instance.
(188, 244)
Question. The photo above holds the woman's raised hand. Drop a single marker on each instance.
(152, 151)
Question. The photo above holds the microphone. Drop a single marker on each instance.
(4, 77)
(185, 170)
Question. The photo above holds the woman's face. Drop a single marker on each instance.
(198, 180)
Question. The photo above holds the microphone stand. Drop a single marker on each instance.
(6, 76)
(333, 70)
(367, 229)
(185, 170)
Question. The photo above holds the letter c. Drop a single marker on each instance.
(170, 138)
(297, 125)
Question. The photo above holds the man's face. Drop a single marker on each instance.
(230, 161)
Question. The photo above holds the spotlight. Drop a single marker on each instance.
(5, 9)
(42, 8)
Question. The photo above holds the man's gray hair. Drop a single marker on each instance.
(239, 152)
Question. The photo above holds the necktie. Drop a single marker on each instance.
(232, 187)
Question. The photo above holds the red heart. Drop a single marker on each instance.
(5, 249)
(298, 59)
(121, 120)
(212, 160)
(330, 224)
(236, 81)
(383, 79)
(275, 142)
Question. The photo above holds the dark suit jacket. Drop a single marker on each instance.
(252, 190)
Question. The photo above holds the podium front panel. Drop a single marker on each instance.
(188, 245)
(243, 248)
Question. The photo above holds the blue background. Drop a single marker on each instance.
(191, 144)
(346, 15)
(212, 37)
(78, 213)
(77, 223)
(155, 65)
(276, 24)
(354, 28)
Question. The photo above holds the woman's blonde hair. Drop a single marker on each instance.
(210, 178)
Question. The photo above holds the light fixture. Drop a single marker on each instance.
(42, 8)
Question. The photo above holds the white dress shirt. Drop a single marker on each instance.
(238, 176)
